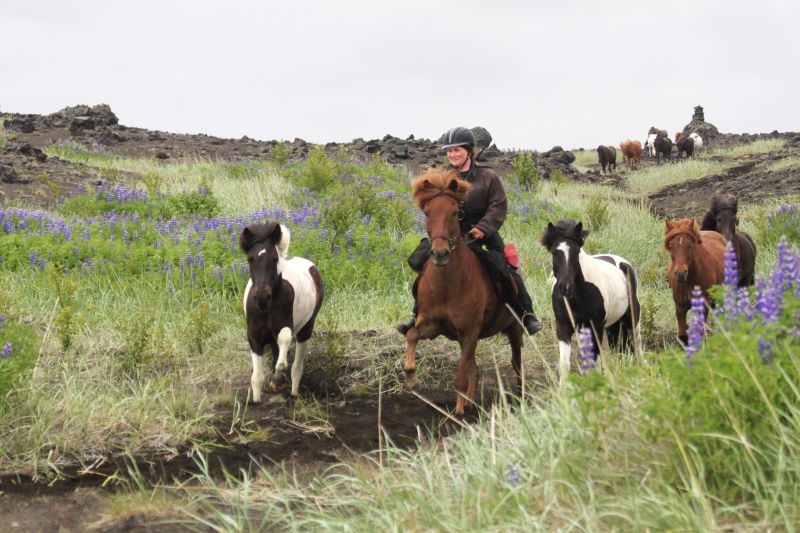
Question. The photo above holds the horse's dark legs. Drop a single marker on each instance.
(514, 335)
(680, 314)
(467, 375)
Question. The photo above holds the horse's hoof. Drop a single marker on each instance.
(411, 382)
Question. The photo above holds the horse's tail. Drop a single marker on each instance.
(286, 237)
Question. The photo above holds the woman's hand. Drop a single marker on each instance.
(476, 234)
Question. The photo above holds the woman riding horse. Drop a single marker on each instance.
(484, 211)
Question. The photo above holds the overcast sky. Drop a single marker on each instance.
(574, 73)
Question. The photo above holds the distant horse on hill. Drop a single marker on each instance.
(608, 157)
(631, 153)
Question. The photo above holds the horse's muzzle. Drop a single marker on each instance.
(262, 300)
(440, 258)
(682, 276)
(566, 289)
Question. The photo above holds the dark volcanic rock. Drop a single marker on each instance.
(28, 150)
(21, 123)
(7, 174)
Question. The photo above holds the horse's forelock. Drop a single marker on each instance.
(437, 182)
(256, 233)
(565, 229)
(684, 226)
(724, 201)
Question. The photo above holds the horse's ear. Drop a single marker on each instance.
(275, 236)
(426, 185)
(550, 225)
(668, 225)
(246, 239)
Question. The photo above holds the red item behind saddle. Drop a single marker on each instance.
(512, 258)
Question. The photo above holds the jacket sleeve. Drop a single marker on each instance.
(497, 207)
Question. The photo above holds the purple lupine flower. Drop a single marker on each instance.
(765, 350)
(7, 347)
(3, 319)
(767, 300)
(218, 273)
(182, 264)
(513, 476)
(787, 264)
(696, 323)
(586, 345)
(731, 266)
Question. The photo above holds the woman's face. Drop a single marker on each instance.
(457, 155)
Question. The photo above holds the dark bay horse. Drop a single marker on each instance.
(456, 297)
(697, 258)
(281, 302)
(722, 217)
(598, 292)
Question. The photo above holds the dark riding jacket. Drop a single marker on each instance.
(486, 205)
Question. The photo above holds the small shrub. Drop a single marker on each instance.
(67, 320)
(137, 334)
(526, 171)
(596, 212)
(152, 182)
(200, 329)
(19, 346)
(280, 153)
(557, 178)
(317, 175)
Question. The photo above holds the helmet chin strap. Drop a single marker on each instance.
(467, 163)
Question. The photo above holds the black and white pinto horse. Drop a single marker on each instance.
(281, 302)
(599, 292)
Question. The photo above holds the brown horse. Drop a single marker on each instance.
(697, 258)
(456, 296)
(722, 217)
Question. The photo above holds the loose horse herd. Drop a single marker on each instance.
(658, 146)
(458, 299)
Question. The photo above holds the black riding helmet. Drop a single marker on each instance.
(458, 136)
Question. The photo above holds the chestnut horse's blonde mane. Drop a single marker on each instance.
(683, 226)
(436, 182)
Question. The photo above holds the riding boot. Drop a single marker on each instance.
(524, 303)
(403, 327)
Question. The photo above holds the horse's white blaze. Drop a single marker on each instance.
(262, 252)
(564, 247)
(610, 281)
(297, 271)
(564, 353)
(257, 379)
(284, 340)
(297, 366)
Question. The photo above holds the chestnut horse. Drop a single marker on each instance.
(456, 296)
(722, 217)
(697, 258)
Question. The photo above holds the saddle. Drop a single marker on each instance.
(497, 266)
